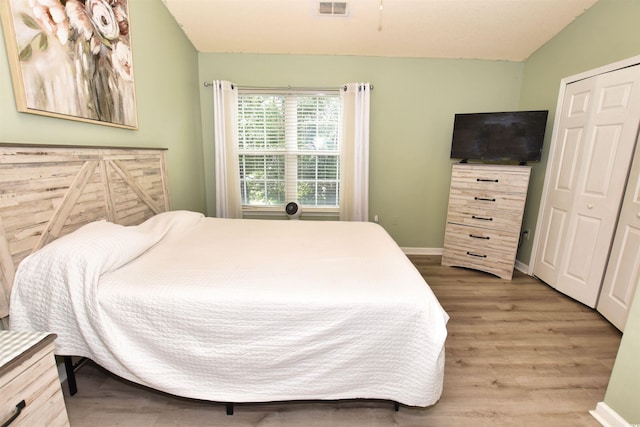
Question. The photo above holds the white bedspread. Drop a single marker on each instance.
(240, 310)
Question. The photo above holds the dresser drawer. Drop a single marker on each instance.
(480, 249)
(480, 241)
(486, 178)
(491, 219)
(34, 380)
(492, 264)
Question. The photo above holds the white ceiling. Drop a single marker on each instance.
(475, 29)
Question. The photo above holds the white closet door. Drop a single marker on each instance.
(623, 270)
(565, 164)
(590, 161)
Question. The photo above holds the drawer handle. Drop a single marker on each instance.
(484, 199)
(479, 237)
(481, 218)
(19, 407)
(486, 180)
(476, 255)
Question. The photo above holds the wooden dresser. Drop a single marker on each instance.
(30, 391)
(486, 204)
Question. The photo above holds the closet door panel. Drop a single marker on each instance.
(594, 213)
(568, 168)
(550, 253)
(583, 238)
(601, 161)
(623, 270)
(623, 275)
(566, 165)
(564, 183)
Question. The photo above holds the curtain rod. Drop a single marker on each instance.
(209, 84)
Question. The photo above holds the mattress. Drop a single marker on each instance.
(237, 310)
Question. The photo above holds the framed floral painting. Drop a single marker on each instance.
(72, 59)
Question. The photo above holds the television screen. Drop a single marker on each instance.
(504, 136)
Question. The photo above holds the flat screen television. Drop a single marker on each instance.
(505, 136)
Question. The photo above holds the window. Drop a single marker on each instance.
(288, 149)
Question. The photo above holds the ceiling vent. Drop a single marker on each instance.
(332, 8)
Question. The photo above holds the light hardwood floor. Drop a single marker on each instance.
(518, 353)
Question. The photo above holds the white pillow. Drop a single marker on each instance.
(171, 222)
(103, 243)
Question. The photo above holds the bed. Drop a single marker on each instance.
(222, 309)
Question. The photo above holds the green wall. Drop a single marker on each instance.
(166, 77)
(606, 33)
(624, 385)
(412, 108)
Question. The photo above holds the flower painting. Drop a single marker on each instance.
(72, 59)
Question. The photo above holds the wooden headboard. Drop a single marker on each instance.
(49, 191)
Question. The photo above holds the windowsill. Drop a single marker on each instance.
(277, 212)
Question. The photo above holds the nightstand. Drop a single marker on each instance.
(30, 392)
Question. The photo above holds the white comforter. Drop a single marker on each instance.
(240, 310)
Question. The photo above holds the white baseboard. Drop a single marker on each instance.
(422, 251)
(522, 267)
(607, 416)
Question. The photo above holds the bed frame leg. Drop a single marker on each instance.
(71, 375)
(71, 369)
(229, 408)
(396, 406)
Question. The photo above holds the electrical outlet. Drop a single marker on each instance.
(375, 218)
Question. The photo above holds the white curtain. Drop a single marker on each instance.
(354, 169)
(225, 123)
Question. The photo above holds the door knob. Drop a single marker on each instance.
(590, 206)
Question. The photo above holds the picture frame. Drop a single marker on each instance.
(72, 59)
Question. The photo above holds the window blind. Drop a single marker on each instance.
(288, 147)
